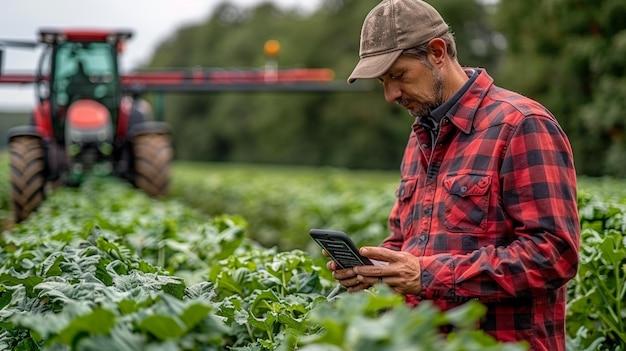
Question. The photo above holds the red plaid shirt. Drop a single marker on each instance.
(490, 209)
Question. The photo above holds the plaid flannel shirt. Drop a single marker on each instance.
(490, 209)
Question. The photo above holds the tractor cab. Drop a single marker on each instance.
(81, 66)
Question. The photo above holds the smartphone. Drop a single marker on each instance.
(339, 247)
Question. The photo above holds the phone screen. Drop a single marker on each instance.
(339, 247)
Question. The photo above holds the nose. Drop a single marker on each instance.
(392, 92)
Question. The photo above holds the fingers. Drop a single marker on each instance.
(359, 287)
(373, 280)
(350, 281)
(347, 278)
(344, 274)
(332, 266)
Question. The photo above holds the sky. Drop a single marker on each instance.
(152, 21)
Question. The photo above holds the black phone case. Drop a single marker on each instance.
(339, 247)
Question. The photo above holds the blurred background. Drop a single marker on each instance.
(567, 54)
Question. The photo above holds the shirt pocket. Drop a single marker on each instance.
(466, 202)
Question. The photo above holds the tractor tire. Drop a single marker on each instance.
(152, 154)
(28, 177)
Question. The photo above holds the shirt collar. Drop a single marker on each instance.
(474, 87)
(449, 107)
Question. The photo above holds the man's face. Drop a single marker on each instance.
(413, 84)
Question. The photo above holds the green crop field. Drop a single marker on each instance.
(225, 263)
(282, 203)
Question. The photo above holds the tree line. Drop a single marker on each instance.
(567, 54)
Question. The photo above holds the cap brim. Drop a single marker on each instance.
(374, 66)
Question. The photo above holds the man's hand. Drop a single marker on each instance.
(402, 273)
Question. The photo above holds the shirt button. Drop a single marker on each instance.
(463, 189)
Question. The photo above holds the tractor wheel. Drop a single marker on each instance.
(152, 157)
(28, 180)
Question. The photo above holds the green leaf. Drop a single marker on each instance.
(98, 322)
(15, 278)
(127, 306)
(162, 327)
(26, 345)
(175, 288)
(612, 248)
(6, 296)
(51, 266)
(195, 313)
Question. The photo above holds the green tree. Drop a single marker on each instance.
(569, 55)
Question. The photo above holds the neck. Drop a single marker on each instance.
(455, 77)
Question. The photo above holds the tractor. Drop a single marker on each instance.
(84, 123)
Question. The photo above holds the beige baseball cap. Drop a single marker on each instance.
(391, 27)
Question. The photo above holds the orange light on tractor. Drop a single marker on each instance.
(271, 48)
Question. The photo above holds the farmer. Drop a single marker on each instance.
(486, 208)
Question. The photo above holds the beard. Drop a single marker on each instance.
(426, 108)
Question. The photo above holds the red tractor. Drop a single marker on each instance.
(83, 123)
(90, 120)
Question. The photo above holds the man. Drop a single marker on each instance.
(486, 208)
(80, 86)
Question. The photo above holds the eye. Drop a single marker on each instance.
(395, 76)
(391, 76)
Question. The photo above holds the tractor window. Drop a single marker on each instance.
(97, 60)
(43, 74)
(86, 69)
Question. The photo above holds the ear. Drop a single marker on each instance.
(438, 51)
